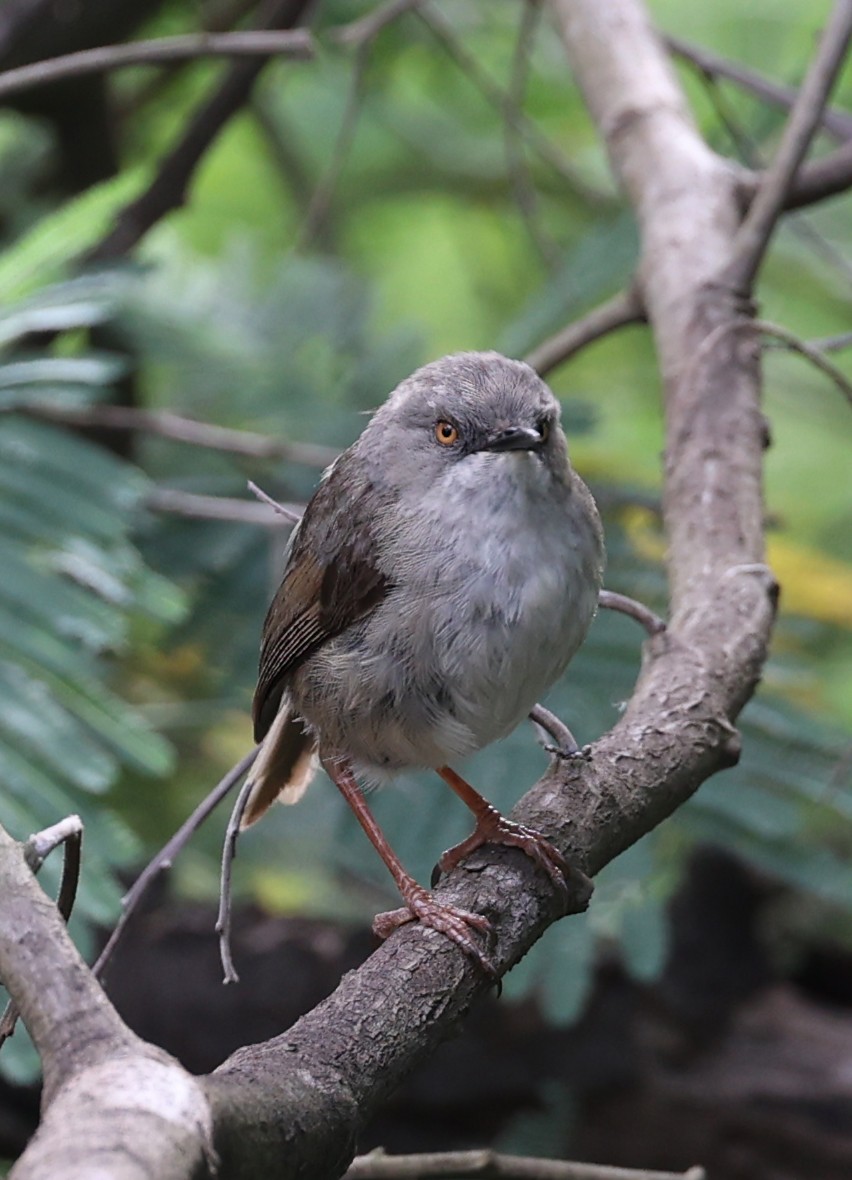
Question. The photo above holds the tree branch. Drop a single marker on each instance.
(835, 122)
(755, 232)
(623, 309)
(169, 188)
(200, 507)
(433, 1165)
(164, 424)
(107, 1095)
(188, 47)
(810, 351)
(825, 177)
(67, 832)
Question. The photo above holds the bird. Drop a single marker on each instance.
(444, 573)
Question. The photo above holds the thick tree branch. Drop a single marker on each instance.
(107, 1095)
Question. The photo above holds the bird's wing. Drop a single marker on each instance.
(331, 580)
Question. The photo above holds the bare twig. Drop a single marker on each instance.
(753, 237)
(610, 600)
(837, 123)
(493, 93)
(165, 424)
(289, 514)
(321, 200)
(565, 745)
(836, 343)
(806, 349)
(169, 188)
(818, 179)
(201, 507)
(229, 852)
(186, 47)
(40, 845)
(623, 309)
(367, 28)
(165, 857)
(377, 1165)
(521, 182)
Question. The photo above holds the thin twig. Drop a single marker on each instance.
(377, 1165)
(835, 122)
(523, 189)
(565, 745)
(186, 47)
(169, 188)
(69, 833)
(178, 428)
(200, 507)
(836, 343)
(535, 140)
(368, 27)
(165, 857)
(822, 178)
(291, 516)
(320, 202)
(611, 600)
(229, 852)
(810, 351)
(753, 236)
(623, 309)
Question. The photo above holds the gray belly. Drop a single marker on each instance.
(426, 684)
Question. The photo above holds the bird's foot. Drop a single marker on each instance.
(494, 828)
(457, 924)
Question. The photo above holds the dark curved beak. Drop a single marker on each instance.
(515, 438)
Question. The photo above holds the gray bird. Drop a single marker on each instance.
(445, 571)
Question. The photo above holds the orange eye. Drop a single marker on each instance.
(446, 433)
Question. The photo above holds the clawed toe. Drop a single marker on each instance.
(457, 924)
(494, 828)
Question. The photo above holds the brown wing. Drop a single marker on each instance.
(331, 580)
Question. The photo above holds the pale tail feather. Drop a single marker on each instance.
(284, 766)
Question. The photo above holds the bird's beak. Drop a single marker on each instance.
(515, 438)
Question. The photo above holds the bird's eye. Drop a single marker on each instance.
(446, 433)
(544, 429)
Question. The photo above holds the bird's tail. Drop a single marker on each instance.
(284, 766)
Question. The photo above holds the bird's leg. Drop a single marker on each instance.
(420, 905)
(494, 828)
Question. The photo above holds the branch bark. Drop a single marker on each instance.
(189, 47)
(107, 1095)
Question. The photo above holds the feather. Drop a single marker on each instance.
(283, 768)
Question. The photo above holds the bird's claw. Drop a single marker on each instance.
(452, 921)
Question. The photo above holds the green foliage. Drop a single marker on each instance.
(73, 582)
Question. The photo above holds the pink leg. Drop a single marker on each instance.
(494, 828)
(420, 905)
